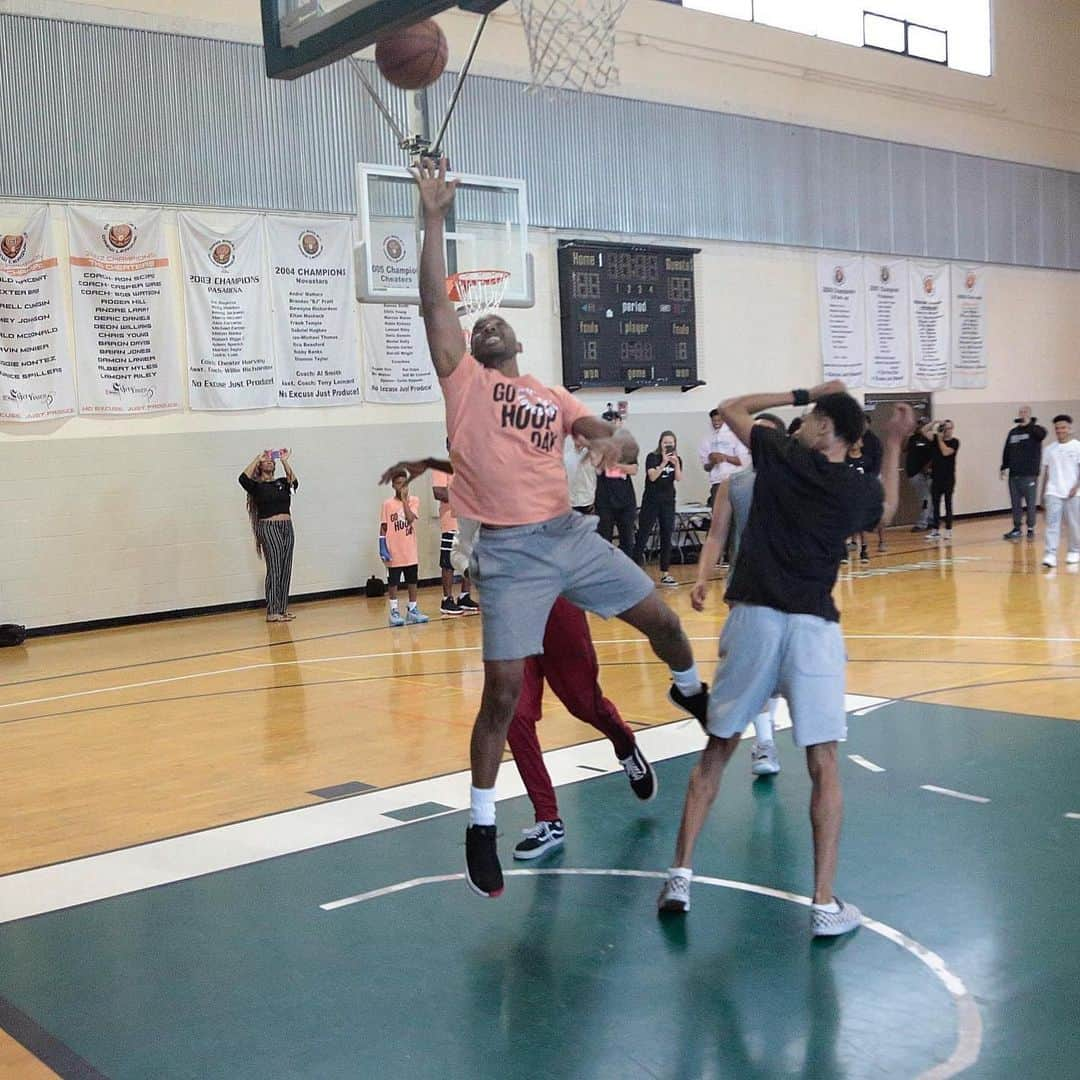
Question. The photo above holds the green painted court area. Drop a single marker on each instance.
(241, 974)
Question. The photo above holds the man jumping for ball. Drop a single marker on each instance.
(507, 432)
(783, 633)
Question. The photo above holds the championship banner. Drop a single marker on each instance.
(314, 299)
(930, 331)
(230, 365)
(842, 317)
(887, 338)
(122, 303)
(397, 362)
(969, 363)
(37, 370)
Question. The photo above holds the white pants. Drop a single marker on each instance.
(1056, 509)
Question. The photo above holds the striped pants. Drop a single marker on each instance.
(277, 541)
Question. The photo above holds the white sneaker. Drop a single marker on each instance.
(667, 579)
(763, 759)
(675, 895)
(1050, 559)
(947, 534)
(834, 923)
(1073, 557)
(933, 534)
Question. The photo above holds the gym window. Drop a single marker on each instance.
(955, 34)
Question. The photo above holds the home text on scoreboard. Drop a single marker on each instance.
(627, 315)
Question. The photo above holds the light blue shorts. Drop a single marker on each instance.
(521, 571)
(764, 652)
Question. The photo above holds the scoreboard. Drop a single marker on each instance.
(627, 315)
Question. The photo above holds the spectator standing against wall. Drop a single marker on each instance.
(1021, 462)
(721, 455)
(269, 504)
(663, 470)
(1061, 491)
(943, 478)
(920, 450)
(616, 501)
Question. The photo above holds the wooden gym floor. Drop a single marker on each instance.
(124, 737)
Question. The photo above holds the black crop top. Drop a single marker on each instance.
(272, 497)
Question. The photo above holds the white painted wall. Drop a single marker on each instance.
(111, 517)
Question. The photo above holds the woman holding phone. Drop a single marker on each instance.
(663, 470)
(269, 500)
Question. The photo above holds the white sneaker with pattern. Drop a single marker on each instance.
(834, 923)
(675, 895)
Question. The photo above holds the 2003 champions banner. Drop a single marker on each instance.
(122, 303)
(230, 365)
(315, 340)
(37, 372)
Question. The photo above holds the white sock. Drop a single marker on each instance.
(764, 727)
(681, 871)
(482, 808)
(393, 605)
(412, 605)
(688, 681)
(831, 908)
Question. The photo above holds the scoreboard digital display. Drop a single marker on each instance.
(627, 315)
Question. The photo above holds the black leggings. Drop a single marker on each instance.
(277, 545)
(935, 501)
(653, 510)
(621, 518)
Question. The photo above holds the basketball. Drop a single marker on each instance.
(414, 57)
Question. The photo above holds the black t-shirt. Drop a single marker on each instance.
(804, 509)
(615, 492)
(662, 489)
(942, 468)
(271, 497)
(919, 452)
(873, 452)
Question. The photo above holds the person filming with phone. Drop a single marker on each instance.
(269, 500)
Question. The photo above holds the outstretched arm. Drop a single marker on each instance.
(608, 446)
(897, 428)
(713, 547)
(413, 469)
(738, 413)
(445, 340)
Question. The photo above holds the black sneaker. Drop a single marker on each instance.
(482, 870)
(1013, 534)
(468, 605)
(640, 774)
(544, 836)
(864, 555)
(697, 705)
(1031, 534)
(450, 607)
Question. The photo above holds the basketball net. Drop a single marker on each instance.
(477, 292)
(571, 42)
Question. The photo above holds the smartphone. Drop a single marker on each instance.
(275, 455)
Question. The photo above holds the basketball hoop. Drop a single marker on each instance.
(477, 292)
(571, 42)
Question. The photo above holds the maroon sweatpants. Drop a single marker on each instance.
(570, 666)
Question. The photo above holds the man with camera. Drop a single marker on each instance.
(1020, 462)
(917, 468)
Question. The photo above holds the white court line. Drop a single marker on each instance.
(460, 649)
(968, 1021)
(1075, 817)
(953, 794)
(178, 858)
(860, 760)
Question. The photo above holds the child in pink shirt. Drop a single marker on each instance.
(398, 549)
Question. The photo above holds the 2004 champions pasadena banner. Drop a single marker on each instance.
(122, 303)
(230, 365)
(314, 301)
(37, 370)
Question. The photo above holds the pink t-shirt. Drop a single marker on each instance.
(507, 436)
(447, 521)
(400, 534)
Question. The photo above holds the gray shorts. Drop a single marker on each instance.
(521, 571)
(764, 652)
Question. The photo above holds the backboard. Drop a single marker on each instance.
(302, 35)
(488, 230)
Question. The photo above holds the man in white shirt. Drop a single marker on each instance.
(581, 474)
(1061, 484)
(721, 455)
